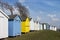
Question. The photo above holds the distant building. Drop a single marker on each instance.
(46, 26)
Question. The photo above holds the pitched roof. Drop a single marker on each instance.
(4, 13)
(12, 16)
(24, 18)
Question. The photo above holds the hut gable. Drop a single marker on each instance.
(31, 20)
(17, 18)
(14, 17)
(23, 19)
(27, 19)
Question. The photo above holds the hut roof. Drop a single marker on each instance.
(4, 13)
(13, 16)
(24, 18)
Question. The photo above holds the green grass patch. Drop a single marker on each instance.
(39, 35)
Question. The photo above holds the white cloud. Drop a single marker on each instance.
(22, 1)
(53, 17)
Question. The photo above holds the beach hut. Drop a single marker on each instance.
(51, 28)
(40, 27)
(54, 28)
(14, 25)
(25, 25)
(36, 25)
(3, 25)
(46, 26)
(31, 25)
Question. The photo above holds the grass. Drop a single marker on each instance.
(39, 35)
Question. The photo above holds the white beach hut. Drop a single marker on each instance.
(36, 25)
(54, 28)
(41, 27)
(31, 25)
(3, 25)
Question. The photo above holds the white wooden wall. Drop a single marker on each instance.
(32, 25)
(36, 26)
(3, 26)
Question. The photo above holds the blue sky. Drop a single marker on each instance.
(47, 10)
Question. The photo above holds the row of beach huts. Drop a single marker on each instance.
(12, 25)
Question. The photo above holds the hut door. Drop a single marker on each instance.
(17, 27)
